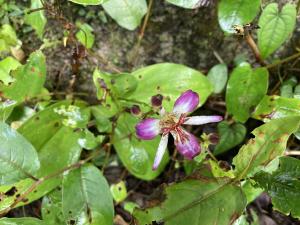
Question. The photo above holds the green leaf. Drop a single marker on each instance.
(89, 2)
(269, 142)
(251, 191)
(236, 12)
(93, 203)
(6, 109)
(199, 202)
(136, 155)
(18, 158)
(189, 4)
(218, 76)
(231, 135)
(88, 140)
(275, 27)
(8, 37)
(6, 65)
(119, 191)
(21, 221)
(245, 89)
(36, 19)
(54, 142)
(29, 79)
(52, 208)
(169, 80)
(85, 35)
(273, 107)
(283, 186)
(127, 13)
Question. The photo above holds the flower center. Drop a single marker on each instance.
(171, 122)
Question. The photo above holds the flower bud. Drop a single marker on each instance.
(156, 100)
(213, 138)
(135, 110)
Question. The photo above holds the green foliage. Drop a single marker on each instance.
(6, 65)
(119, 191)
(8, 38)
(269, 143)
(236, 12)
(136, 155)
(275, 27)
(218, 76)
(200, 202)
(283, 186)
(189, 4)
(21, 221)
(127, 13)
(85, 35)
(89, 2)
(93, 203)
(36, 19)
(231, 135)
(18, 158)
(246, 87)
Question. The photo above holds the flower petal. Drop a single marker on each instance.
(187, 102)
(199, 120)
(160, 151)
(147, 129)
(186, 143)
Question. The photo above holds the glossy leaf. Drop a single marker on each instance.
(127, 13)
(269, 142)
(206, 202)
(89, 2)
(93, 203)
(36, 19)
(169, 80)
(6, 65)
(54, 142)
(52, 208)
(21, 221)
(245, 89)
(283, 186)
(29, 79)
(236, 12)
(218, 76)
(275, 27)
(85, 35)
(18, 158)
(231, 135)
(189, 4)
(136, 155)
(273, 107)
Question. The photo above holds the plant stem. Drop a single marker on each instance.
(254, 49)
(283, 61)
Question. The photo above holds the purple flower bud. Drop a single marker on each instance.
(135, 110)
(156, 100)
(213, 138)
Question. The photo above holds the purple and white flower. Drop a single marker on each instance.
(170, 123)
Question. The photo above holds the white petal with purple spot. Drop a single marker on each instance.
(187, 102)
(160, 151)
(199, 120)
(147, 129)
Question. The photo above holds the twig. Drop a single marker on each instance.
(298, 6)
(45, 178)
(254, 48)
(292, 153)
(283, 61)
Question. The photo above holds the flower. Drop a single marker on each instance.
(170, 122)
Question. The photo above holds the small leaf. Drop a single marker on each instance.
(189, 4)
(6, 65)
(18, 158)
(36, 19)
(21, 221)
(93, 203)
(236, 12)
(199, 202)
(218, 76)
(275, 27)
(127, 13)
(89, 2)
(119, 191)
(283, 186)
(29, 79)
(169, 80)
(273, 107)
(245, 89)
(85, 35)
(269, 142)
(8, 37)
(231, 136)
(136, 155)
(88, 140)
